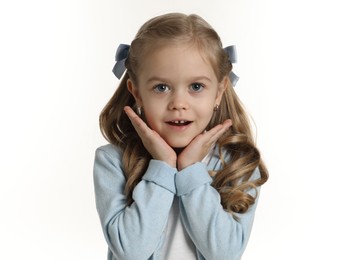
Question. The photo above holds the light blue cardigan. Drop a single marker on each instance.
(137, 232)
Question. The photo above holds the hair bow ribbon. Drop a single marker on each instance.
(122, 53)
(232, 54)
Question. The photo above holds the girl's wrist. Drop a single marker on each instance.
(182, 165)
(172, 163)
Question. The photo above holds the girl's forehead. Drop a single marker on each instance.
(179, 51)
(176, 62)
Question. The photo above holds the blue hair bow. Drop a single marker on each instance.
(122, 53)
(231, 52)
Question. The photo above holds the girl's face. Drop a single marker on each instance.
(177, 89)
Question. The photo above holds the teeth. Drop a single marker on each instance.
(178, 122)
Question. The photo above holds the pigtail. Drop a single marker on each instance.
(239, 156)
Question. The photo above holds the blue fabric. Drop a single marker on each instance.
(136, 232)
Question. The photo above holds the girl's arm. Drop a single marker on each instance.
(132, 232)
(216, 234)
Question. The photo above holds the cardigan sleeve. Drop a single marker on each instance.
(216, 234)
(132, 232)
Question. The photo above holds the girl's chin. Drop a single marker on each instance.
(178, 144)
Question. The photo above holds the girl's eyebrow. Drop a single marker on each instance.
(193, 79)
(159, 79)
(199, 78)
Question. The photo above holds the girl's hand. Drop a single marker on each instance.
(152, 141)
(201, 145)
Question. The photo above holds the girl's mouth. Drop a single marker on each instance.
(179, 122)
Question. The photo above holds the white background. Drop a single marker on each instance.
(297, 80)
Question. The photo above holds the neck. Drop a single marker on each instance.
(178, 150)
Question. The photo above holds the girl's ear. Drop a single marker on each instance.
(221, 89)
(134, 91)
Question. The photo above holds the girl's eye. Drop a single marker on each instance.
(196, 87)
(161, 88)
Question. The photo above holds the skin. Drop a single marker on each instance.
(176, 84)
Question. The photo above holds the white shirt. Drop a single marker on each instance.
(177, 244)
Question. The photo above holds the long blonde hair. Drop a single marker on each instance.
(233, 180)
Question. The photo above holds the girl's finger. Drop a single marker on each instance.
(216, 132)
(139, 125)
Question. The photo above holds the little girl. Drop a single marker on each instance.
(181, 175)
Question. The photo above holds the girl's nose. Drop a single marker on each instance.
(179, 101)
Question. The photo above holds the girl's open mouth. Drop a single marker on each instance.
(179, 122)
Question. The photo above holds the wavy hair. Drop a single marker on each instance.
(232, 181)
